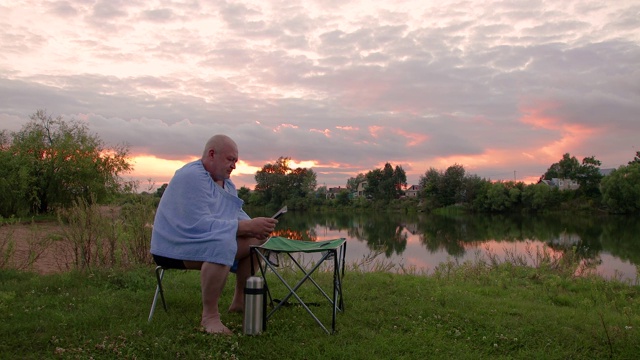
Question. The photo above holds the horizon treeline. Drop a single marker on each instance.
(51, 163)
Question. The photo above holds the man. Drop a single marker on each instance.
(200, 224)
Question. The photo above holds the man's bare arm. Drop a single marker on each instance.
(259, 227)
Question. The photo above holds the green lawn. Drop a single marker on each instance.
(463, 312)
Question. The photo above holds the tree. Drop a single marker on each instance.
(374, 178)
(636, 159)
(498, 198)
(566, 168)
(52, 162)
(244, 193)
(386, 183)
(321, 192)
(472, 185)
(271, 181)
(587, 173)
(352, 182)
(15, 181)
(540, 196)
(452, 185)
(161, 189)
(277, 183)
(589, 176)
(302, 182)
(399, 180)
(343, 198)
(621, 189)
(430, 185)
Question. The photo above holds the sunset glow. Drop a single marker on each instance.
(504, 89)
(570, 135)
(156, 168)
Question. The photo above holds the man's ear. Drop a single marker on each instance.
(211, 153)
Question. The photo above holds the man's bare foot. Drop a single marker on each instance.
(213, 325)
(236, 308)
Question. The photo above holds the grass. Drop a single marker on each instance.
(462, 311)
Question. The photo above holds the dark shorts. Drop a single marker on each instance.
(168, 262)
(179, 264)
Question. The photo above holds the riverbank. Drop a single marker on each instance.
(460, 312)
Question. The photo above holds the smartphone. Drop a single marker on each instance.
(280, 212)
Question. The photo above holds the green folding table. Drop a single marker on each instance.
(331, 251)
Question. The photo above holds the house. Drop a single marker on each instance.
(413, 191)
(333, 192)
(606, 172)
(562, 184)
(360, 189)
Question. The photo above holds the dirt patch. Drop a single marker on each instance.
(40, 241)
(44, 242)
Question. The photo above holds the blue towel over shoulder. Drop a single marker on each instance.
(197, 219)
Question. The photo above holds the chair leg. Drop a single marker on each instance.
(159, 291)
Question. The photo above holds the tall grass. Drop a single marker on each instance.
(107, 236)
(91, 236)
(32, 248)
(137, 222)
(7, 249)
(83, 228)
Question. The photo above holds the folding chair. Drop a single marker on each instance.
(159, 291)
(330, 250)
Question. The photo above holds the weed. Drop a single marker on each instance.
(84, 226)
(23, 257)
(7, 249)
(137, 220)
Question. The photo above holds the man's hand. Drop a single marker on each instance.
(259, 227)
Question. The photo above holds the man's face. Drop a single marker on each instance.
(224, 161)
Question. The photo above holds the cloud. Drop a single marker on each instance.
(63, 9)
(157, 15)
(498, 86)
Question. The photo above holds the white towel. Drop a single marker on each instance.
(197, 219)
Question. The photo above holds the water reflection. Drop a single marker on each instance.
(423, 241)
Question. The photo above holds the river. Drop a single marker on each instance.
(420, 242)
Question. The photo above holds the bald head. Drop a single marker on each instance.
(217, 143)
(219, 157)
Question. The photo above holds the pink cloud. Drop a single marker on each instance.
(347, 128)
(413, 139)
(375, 131)
(284, 126)
(571, 135)
(326, 132)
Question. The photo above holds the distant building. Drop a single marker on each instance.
(413, 191)
(606, 172)
(562, 184)
(333, 192)
(360, 189)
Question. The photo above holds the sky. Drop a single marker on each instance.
(503, 88)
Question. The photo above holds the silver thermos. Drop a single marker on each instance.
(254, 306)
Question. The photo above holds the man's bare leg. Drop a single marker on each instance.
(212, 280)
(244, 271)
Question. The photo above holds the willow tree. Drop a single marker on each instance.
(51, 162)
